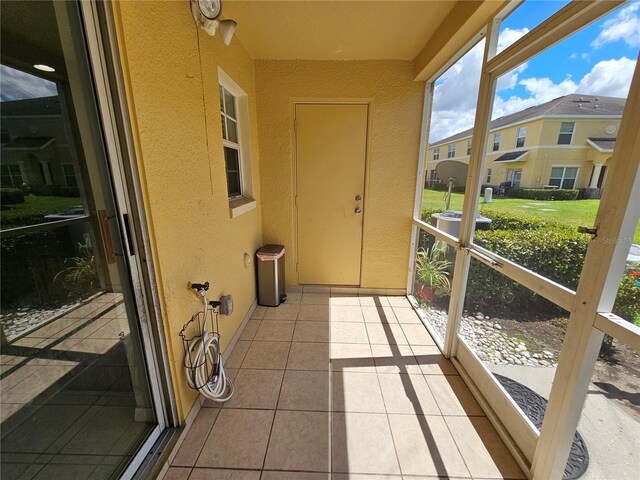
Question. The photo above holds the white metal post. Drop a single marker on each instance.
(422, 166)
(472, 191)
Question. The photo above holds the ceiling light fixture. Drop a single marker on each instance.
(206, 13)
(44, 68)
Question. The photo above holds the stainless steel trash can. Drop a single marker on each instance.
(271, 283)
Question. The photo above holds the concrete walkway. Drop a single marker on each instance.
(611, 434)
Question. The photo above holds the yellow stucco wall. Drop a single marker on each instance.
(394, 135)
(172, 87)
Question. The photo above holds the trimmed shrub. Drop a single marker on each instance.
(510, 221)
(544, 194)
(54, 191)
(556, 253)
(627, 303)
(11, 196)
(426, 213)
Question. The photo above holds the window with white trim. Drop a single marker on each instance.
(566, 133)
(488, 175)
(436, 154)
(564, 177)
(469, 147)
(433, 177)
(234, 117)
(10, 175)
(496, 142)
(231, 144)
(522, 134)
(451, 151)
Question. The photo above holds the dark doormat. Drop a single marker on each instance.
(534, 406)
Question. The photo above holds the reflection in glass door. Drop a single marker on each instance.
(75, 397)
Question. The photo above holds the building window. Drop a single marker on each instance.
(231, 144)
(468, 147)
(436, 154)
(433, 177)
(488, 175)
(451, 151)
(70, 178)
(496, 142)
(10, 175)
(566, 133)
(522, 134)
(564, 177)
(234, 115)
(513, 176)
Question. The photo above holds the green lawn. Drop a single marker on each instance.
(571, 212)
(34, 209)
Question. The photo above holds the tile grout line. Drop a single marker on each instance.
(384, 402)
(275, 411)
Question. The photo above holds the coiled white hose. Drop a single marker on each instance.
(208, 375)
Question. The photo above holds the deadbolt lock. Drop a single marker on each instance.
(358, 210)
(358, 198)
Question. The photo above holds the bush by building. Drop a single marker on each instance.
(544, 194)
(11, 196)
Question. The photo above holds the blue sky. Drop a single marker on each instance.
(18, 85)
(597, 60)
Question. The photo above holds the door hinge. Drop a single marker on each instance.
(589, 231)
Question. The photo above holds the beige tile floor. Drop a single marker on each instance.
(342, 387)
(67, 409)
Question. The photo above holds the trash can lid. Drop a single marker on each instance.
(270, 252)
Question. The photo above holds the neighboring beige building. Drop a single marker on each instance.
(564, 143)
(35, 150)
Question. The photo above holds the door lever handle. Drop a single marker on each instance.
(358, 210)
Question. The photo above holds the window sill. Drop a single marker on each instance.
(239, 206)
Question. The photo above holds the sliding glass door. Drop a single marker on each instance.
(76, 400)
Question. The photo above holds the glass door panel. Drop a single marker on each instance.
(551, 172)
(516, 334)
(75, 397)
(610, 422)
(449, 149)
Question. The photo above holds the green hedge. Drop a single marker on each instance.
(627, 303)
(544, 194)
(510, 221)
(11, 196)
(556, 253)
(54, 191)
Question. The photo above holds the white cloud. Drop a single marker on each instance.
(624, 26)
(509, 36)
(454, 105)
(610, 78)
(456, 93)
(18, 85)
